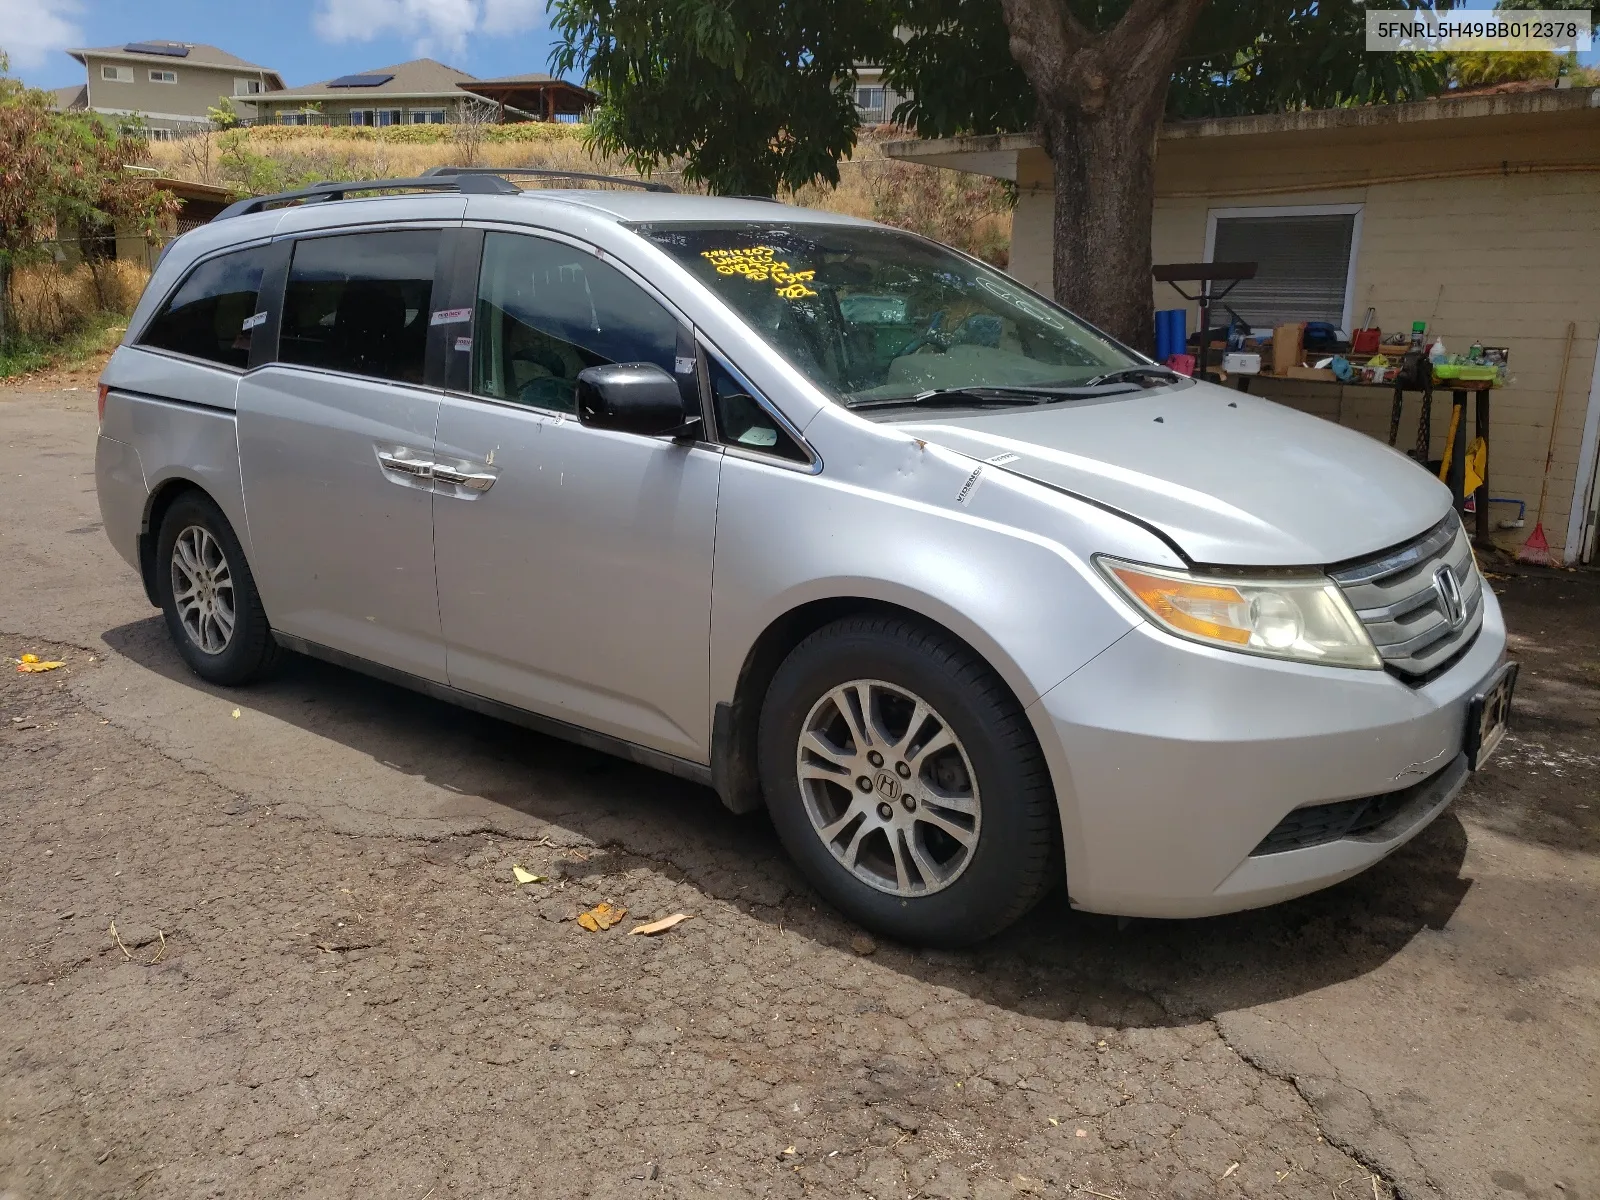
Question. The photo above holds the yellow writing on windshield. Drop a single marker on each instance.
(760, 264)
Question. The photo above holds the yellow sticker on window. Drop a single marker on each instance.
(760, 264)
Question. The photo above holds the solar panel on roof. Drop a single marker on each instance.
(359, 80)
(168, 48)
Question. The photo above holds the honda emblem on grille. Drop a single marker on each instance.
(1455, 608)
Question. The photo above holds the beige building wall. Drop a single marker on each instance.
(337, 112)
(1487, 229)
(197, 89)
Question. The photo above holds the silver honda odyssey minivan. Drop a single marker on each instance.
(824, 515)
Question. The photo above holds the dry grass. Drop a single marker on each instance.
(966, 211)
(46, 303)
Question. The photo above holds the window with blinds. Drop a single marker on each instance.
(1302, 265)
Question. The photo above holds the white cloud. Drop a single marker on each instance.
(512, 16)
(33, 31)
(435, 25)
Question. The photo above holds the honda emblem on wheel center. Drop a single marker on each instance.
(887, 785)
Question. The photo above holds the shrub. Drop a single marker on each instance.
(47, 302)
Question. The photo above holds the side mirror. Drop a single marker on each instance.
(631, 397)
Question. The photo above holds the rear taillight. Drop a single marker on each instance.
(100, 404)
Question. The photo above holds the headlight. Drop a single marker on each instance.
(1306, 619)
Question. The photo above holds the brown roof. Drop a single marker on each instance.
(419, 77)
(533, 93)
(72, 97)
(200, 55)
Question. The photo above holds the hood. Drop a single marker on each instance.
(1232, 479)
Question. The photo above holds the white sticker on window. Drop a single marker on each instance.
(252, 321)
(759, 435)
(1001, 460)
(683, 366)
(464, 343)
(452, 316)
(970, 487)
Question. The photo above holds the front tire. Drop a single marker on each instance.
(209, 597)
(906, 783)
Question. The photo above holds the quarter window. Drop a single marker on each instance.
(360, 303)
(547, 310)
(213, 313)
(742, 421)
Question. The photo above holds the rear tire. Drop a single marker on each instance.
(209, 597)
(905, 781)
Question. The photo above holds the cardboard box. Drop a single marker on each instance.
(1288, 347)
(1321, 373)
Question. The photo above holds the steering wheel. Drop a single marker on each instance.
(928, 337)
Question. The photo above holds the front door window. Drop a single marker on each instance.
(547, 310)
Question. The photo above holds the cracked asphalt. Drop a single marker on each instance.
(325, 982)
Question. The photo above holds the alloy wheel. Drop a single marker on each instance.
(889, 788)
(202, 589)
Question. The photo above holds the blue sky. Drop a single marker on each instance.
(304, 40)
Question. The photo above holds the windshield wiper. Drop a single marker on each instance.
(1005, 395)
(1134, 374)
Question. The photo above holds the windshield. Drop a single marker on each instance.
(875, 314)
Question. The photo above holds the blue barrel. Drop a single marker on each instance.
(1172, 332)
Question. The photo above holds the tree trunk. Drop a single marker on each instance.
(1100, 102)
(5, 299)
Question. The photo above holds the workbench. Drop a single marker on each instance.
(1460, 389)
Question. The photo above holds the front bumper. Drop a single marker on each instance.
(1173, 761)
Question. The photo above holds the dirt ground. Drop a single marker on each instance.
(324, 980)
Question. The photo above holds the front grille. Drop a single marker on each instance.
(1398, 598)
(1367, 817)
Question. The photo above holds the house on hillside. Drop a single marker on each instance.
(423, 92)
(1478, 214)
(169, 85)
(875, 99)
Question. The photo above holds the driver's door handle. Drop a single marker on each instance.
(416, 468)
(477, 481)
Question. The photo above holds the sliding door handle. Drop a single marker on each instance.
(477, 481)
(415, 468)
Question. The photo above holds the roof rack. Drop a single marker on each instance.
(649, 185)
(472, 180)
(318, 192)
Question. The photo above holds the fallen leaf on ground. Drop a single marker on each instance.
(523, 875)
(660, 926)
(32, 662)
(601, 916)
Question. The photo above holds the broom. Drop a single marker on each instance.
(1536, 549)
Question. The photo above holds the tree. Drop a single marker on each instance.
(755, 95)
(64, 171)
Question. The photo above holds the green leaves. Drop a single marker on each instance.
(749, 97)
(60, 171)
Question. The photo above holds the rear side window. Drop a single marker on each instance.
(213, 314)
(360, 303)
(547, 310)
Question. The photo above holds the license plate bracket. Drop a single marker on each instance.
(1488, 716)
